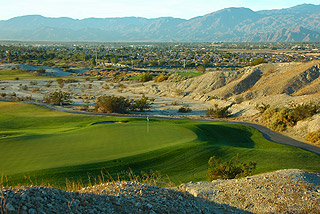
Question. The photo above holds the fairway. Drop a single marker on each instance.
(51, 146)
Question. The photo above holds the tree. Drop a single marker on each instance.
(58, 98)
(8, 56)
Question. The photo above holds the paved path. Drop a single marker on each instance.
(267, 133)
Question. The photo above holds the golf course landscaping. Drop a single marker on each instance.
(39, 145)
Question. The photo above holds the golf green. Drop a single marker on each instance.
(52, 146)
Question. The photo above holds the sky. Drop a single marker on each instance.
(186, 9)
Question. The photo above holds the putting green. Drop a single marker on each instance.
(93, 144)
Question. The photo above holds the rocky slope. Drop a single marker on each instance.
(284, 191)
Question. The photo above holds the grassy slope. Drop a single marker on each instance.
(51, 146)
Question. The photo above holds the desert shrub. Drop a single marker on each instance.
(218, 112)
(16, 78)
(141, 104)
(112, 104)
(70, 81)
(175, 103)
(40, 71)
(305, 110)
(229, 169)
(36, 89)
(13, 94)
(58, 98)
(24, 88)
(280, 118)
(184, 109)
(258, 62)
(3, 94)
(145, 77)
(262, 108)
(313, 137)
(201, 69)
(179, 92)
(161, 78)
(62, 81)
(33, 82)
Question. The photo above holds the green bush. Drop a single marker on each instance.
(58, 98)
(112, 104)
(141, 104)
(258, 62)
(146, 77)
(229, 169)
(218, 112)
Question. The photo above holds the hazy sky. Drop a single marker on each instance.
(143, 8)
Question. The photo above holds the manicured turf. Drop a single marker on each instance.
(12, 74)
(190, 74)
(50, 146)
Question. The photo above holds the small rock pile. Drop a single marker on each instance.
(122, 197)
(283, 191)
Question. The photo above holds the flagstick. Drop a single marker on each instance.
(147, 124)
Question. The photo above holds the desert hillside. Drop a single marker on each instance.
(275, 84)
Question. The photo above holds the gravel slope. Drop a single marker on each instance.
(284, 191)
(124, 197)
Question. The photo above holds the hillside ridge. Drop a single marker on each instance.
(229, 24)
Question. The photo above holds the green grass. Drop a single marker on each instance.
(188, 74)
(50, 146)
(12, 74)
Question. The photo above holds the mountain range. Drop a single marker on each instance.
(298, 23)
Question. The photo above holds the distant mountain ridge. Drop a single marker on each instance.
(299, 23)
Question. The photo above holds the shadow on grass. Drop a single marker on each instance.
(225, 135)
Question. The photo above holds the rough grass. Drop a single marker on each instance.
(45, 146)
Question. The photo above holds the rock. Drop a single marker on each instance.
(10, 207)
(32, 211)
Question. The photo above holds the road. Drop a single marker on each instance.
(267, 133)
